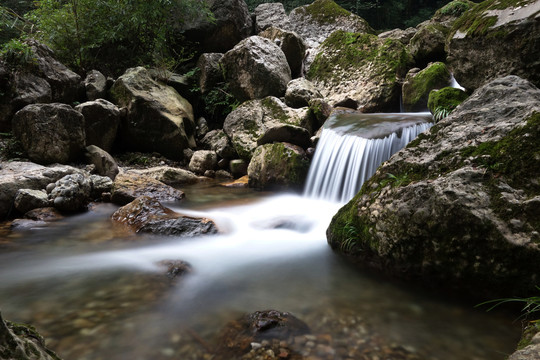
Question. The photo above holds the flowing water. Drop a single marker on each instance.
(97, 292)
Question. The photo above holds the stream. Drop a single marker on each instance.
(95, 291)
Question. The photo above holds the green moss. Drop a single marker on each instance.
(455, 8)
(528, 333)
(448, 98)
(417, 88)
(275, 111)
(325, 11)
(348, 51)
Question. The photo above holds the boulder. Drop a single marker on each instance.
(461, 208)
(219, 142)
(169, 175)
(286, 133)
(238, 167)
(102, 160)
(66, 85)
(22, 342)
(71, 193)
(231, 24)
(317, 21)
(28, 199)
(361, 67)
(292, 46)
(278, 166)
(299, 93)
(256, 68)
(100, 185)
(146, 215)
(101, 120)
(211, 74)
(158, 118)
(95, 85)
(447, 98)
(26, 175)
(50, 133)
(269, 15)
(129, 186)
(418, 84)
(403, 36)
(203, 160)
(529, 352)
(253, 118)
(494, 39)
(30, 89)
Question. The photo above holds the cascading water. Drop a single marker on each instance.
(353, 145)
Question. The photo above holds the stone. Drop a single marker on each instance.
(169, 175)
(292, 46)
(403, 36)
(147, 215)
(202, 127)
(219, 142)
(45, 214)
(449, 219)
(71, 193)
(16, 175)
(248, 122)
(300, 92)
(95, 85)
(203, 160)
(100, 185)
(270, 15)
(496, 39)
(529, 352)
(101, 122)
(50, 133)
(28, 199)
(238, 167)
(319, 110)
(30, 89)
(158, 118)
(211, 74)
(427, 44)
(255, 68)
(278, 166)
(418, 85)
(103, 161)
(447, 98)
(286, 133)
(361, 67)
(129, 186)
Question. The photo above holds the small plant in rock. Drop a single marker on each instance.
(351, 235)
(440, 113)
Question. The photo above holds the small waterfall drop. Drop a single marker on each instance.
(455, 84)
(351, 148)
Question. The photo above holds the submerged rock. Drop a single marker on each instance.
(461, 206)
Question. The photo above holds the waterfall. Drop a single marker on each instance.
(351, 148)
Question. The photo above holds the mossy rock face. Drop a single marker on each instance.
(496, 38)
(447, 98)
(418, 85)
(278, 166)
(458, 206)
(361, 67)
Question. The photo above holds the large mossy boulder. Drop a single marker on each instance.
(361, 67)
(278, 166)
(418, 85)
(251, 120)
(50, 133)
(461, 208)
(158, 118)
(256, 68)
(447, 98)
(494, 39)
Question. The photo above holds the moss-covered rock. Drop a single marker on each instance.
(361, 67)
(417, 85)
(278, 166)
(496, 38)
(447, 98)
(461, 205)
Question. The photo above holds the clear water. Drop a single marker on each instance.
(96, 292)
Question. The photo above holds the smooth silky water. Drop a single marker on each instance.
(97, 292)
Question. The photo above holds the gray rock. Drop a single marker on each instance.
(219, 142)
(202, 127)
(71, 193)
(129, 186)
(529, 352)
(100, 185)
(28, 199)
(286, 133)
(203, 160)
(158, 118)
(292, 46)
(300, 92)
(270, 14)
(95, 85)
(449, 218)
(30, 89)
(102, 119)
(256, 68)
(50, 133)
(404, 36)
(102, 160)
(211, 74)
(427, 44)
(169, 175)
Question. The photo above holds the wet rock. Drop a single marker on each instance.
(176, 268)
(418, 85)
(50, 133)
(256, 68)
(99, 186)
(147, 215)
(238, 167)
(202, 161)
(158, 118)
(22, 342)
(292, 46)
(103, 161)
(129, 186)
(46, 214)
(101, 122)
(95, 85)
(71, 193)
(300, 92)
(28, 199)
